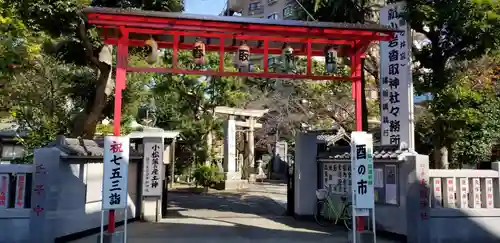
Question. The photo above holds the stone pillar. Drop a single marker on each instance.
(417, 199)
(231, 176)
(496, 185)
(44, 195)
(280, 158)
(152, 196)
(306, 174)
(229, 148)
(172, 162)
(251, 144)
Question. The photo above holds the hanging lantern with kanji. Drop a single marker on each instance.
(243, 56)
(199, 52)
(152, 50)
(330, 59)
(287, 58)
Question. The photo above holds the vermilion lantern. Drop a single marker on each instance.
(199, 52)
(243, 56)
(287, 58)
(152, 47)
(330, 59)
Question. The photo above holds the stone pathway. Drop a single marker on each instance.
(228, 217)
(273, 190)
(225, 202)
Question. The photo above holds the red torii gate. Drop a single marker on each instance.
(177, 31)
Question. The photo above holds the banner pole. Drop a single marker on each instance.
(102, 226)
(373, 226)
(125, 226)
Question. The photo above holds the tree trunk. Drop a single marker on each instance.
(440, 153)
(441, 157)
(86, 122)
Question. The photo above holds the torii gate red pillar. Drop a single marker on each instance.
(120, 81)
(356, 88)
(356, 70)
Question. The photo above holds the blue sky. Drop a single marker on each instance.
(207, 7)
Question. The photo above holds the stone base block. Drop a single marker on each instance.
(116, 237)
(235, 184)
(228, 176)
(362, 237)
(366, 237)
(253, 178)
(151, 209)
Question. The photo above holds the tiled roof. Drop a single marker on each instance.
(380, 152)
(83, 147)
(11, 129)
(241, 20)
(326, 138)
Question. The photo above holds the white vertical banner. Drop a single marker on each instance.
(115, 176)
(396, 85)
(4, 190)
(152, 169)
(362, 172)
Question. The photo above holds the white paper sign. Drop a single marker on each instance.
(152, 169)
(362, 170)
(115, 178)
(396, 86)
(4, 190)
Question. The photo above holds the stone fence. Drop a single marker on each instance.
(60, 194)
(411, 200)
(15, 206)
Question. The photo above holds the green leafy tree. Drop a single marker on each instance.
(40, 99)
(470, 106)
(75, 42)
(45, 44)
(454, 31)
(18, 45)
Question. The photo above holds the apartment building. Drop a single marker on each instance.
(271, 9)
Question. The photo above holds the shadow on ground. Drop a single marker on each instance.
(228, 217)
(236, 205)
(241, 228)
